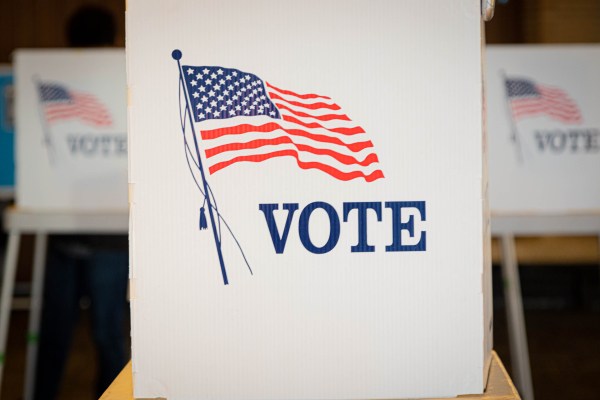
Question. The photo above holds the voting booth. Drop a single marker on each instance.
(544, 129)
(72, 129)
(70, 159)
(308, 214)
(544, 134)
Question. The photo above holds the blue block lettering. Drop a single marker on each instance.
(398, 226)
(279, 241)
(362, 207)
(334, 227)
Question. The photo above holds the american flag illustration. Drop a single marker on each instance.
(265, 121)
(528, 99)
(60, 104)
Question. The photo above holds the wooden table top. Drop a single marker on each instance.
(499, 386)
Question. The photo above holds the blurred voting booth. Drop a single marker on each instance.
(544, 129)
(71, 161)
(308, 200)
(72, 142)
(7, 137)
(544, 140)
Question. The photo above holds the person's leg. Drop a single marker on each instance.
(59, 314)
(108, 274)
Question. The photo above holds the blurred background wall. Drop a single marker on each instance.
(41, 23)
(545, 21)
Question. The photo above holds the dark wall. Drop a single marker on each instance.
(545, 21)
(41, 23)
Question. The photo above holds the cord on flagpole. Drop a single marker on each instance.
(188, 154)
(207, 192)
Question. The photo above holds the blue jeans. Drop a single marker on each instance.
(102, 275)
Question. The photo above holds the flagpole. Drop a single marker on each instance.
(176, 54)
(44, 122)
(515, 133)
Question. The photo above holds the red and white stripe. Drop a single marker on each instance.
(313, 130)
(553, 102)
(83, 106)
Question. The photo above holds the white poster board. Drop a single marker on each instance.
(71, 150)
(346, 229)
(544, 129)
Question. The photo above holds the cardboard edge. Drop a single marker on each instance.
(486, 273)
(487, 368)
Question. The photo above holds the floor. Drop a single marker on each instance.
(81, 368)
(562, 316)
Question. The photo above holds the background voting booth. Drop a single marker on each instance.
(71, 156)
(308, 214)
(544, 139)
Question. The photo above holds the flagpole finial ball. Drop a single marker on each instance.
(176, 54)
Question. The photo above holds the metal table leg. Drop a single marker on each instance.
(8, 282)
(519, 352)
(37, 292)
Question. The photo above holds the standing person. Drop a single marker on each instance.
(84, 267)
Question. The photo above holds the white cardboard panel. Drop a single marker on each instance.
(71, 150)
(332, 323)
(544, 149)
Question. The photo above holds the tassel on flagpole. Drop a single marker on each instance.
(203, 222)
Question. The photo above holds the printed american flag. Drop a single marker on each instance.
(528, 99)
(264, 122)
(60, 104)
